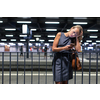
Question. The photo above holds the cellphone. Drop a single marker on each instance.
(73, 40)
(72, 44)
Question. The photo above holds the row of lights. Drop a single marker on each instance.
(30, 44)
(26, 22)
(46, 30)
(37, 39)
(14, 44)
(26, 35)
(25, 40)
(13, 29)
(40, 36)
(52, 22)
(93, 43)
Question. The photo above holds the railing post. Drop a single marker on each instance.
(61, 69)
(82, 67)
(10, 70)
(31, 67)
(17, 67)
(75, 70)
(2, 67)
(46, 69)
(89, 65)
(97, 69)
(24, 67)
(39, 70)
(54, 70)
(68, 63)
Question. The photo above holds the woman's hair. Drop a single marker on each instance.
(80, 30)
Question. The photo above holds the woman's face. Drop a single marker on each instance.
(74, 32)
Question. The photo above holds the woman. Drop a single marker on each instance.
(62, 70)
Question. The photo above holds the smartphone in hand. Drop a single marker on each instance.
(73, 40)
(72, 44)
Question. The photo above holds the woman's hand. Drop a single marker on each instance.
(68, 47)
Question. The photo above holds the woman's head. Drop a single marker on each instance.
(76, 31)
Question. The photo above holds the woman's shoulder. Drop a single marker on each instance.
(59, 34)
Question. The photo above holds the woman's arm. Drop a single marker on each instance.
(55, 44)
(78, 46)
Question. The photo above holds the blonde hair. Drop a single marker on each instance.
(80, 30)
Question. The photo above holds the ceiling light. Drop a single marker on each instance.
(51, 35)
(46, 44)
(68, 30)
(22, 40)
(93, 43)
(93, 36)
(3, 43)
(10, 29)
(33, 29)
(88, 40)
(41, 40)
(80, 17)
(37, 39)
(20, 44)
(23, 17)
(12, 44)
(1, 21)
(50, 40)
(9, 35)
(37, 35)
(38, 44)
(92, 30)
(3, 39)
(52, 17)
(97, 41)
(30, 44)
(51, 29)
(23, 21)
(24, 28)
(23, 35)
(86, 43)
(13, 40)
(79, 22)
(26, 17)
(51, 22)
(32, 40)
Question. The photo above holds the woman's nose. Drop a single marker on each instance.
(73, 34)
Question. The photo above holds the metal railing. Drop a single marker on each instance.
(37, 64)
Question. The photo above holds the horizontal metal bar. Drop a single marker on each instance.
(47, 74)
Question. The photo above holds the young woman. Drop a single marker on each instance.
(62, 70)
